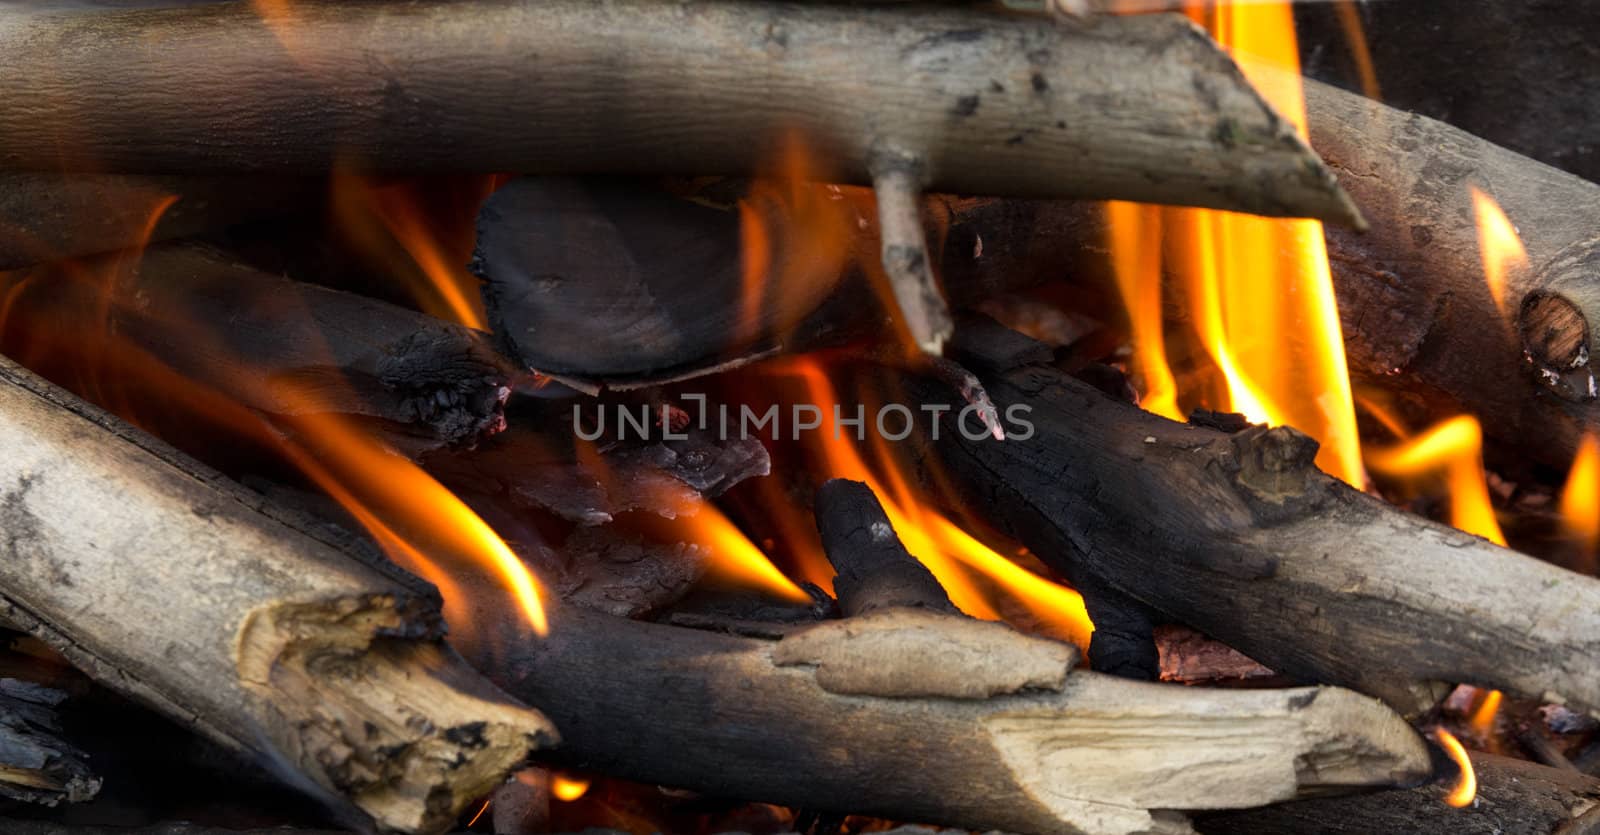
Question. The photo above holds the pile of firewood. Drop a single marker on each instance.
(165, 355)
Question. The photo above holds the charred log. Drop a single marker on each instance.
(781, 737)
(875, 571)
(277, 346)
(1240, 536)
(233, 622)
(37, 764)
(1143, 109)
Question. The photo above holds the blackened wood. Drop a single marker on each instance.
(165, 583)
(1090, 758)
(1145, 108)
(875, 571)
(275, 345)
(1514, 797)
(37, 763)
(1239, 536)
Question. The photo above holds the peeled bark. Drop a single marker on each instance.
(1133, 108)
(161, 581)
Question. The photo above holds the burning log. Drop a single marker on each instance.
(1413, 296)
(1240, 536)
(1514, 798)
(156, 578)
(875, 571)
(36, 764)
(287, 347)
(47, 217)
(1092, 756)
(1140, 109)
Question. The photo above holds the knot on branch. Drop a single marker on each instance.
(1275, 468)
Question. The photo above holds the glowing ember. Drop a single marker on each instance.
(1482, 719)
(1259, 290)
(1498, 244)
(1454, 449)
(1580, 499)
(1467, 788)
(568, 789)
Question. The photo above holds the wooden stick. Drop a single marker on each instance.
(155, 577)
(1092, 757)
(1142, 109)
(427, 381)
(874, 569)
(1241, 537)
(48, 217)
(897, 182)
(1514, 797)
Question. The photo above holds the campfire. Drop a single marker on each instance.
(712, 416)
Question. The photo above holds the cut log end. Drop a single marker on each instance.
(400, 726)
(1555, 340)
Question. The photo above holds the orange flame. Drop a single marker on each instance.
(1467, 788)
(953, 556)
(568, 789)
(1499, 246)
(1259, 290)
(372, 214)
(1580, 498)
(736, 558)
(409, 513)
(797, 238)
(1455, 449)
(1482, 719)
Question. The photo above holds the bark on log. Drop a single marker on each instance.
(1514, 798)
(48, 217)
(275, 345)
(155, 577)
(1412, 293)
(632, 700)
(1132, 108)
(37, 764)
(1241, 537)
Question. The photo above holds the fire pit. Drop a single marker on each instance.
(703, 416)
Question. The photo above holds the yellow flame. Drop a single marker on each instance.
(1355, 36)
(1133, 229)
(568, 789)
(1482, 719)
(1580, 498)
(1454, 449)
(378, 486)
(1259, 290)
(1467, 788)
(953, 556)
(1498, 245)
(736, 558)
